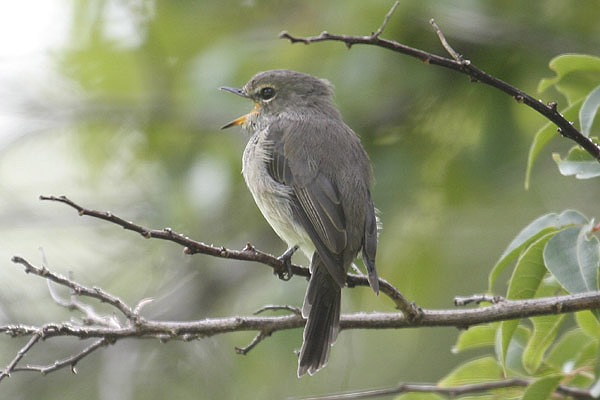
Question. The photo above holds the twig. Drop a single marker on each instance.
(451, 391)
(457, 57)
(549, 111)
(142, 303)
(477, 299)
(69, 361)
(379, 31)
(91, 317)
(78, 289)
(20, 354)
(257, 339)
(271, 307)
(249, 253)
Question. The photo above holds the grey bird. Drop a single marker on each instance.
(311, 179)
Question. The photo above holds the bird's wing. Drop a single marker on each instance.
(316, 204)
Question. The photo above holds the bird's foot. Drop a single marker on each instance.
(287, 273)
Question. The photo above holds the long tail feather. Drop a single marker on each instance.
(322, 310)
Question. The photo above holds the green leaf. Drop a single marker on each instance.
(585, 167)
(576, 153)
(476, 337)
(542, 388)
(512, 356)
(484, 369)
(588, 356)
(523, 284)
(595, 388)
(567, 349)
(588, 111)
(544, 135)
(506, 334)
(529, 271)
(545, 329)
(586, 359)
(539, 227)
(573, 257)
(589, 323)
(575, 74)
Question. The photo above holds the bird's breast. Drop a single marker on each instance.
(272, 198)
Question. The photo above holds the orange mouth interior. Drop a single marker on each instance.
(241, 120)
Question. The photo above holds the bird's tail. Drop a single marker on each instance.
(322, 310)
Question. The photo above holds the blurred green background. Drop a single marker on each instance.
(115, 104)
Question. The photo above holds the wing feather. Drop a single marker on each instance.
(316, 205)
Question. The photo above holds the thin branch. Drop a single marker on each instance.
(477, 299)
(20, 354)
(78, 289)
(70, 361)
(271, 307)
(386, 19)
(463, 66)
(257, 339)
(457, 57)
(91, 317)
(452, 391)
(142, 303)
(249, 253)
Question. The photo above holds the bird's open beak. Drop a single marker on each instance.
(242, 119)
(237, 121)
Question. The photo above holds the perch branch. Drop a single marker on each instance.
(459, 64)
(460, 318)
(248, 253)
(265, 326)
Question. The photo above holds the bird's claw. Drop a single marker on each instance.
(286, 273)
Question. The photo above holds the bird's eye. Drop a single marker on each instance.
(267, 93)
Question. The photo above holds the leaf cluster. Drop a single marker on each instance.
(556, 253)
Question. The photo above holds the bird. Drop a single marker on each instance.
(311, 179)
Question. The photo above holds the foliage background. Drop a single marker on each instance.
(115, 104)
